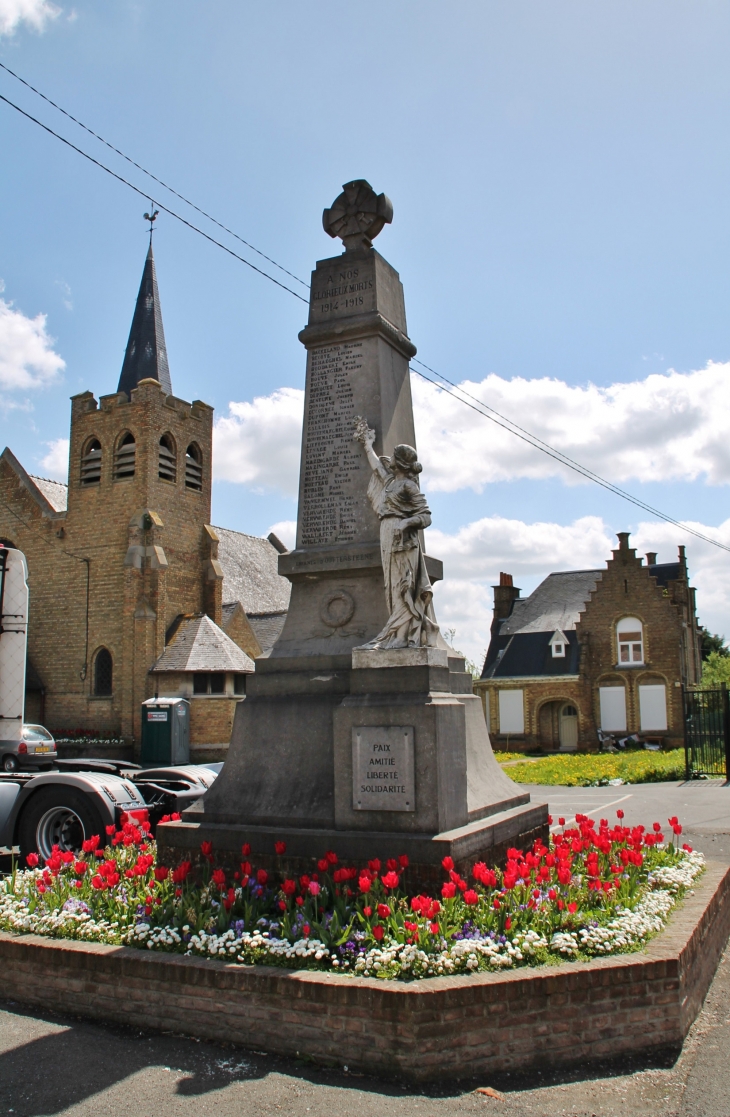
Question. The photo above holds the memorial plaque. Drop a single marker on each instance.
(382, 768)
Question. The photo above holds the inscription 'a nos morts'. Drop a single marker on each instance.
(383, 768)
(333, 469)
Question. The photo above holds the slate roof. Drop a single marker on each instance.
(666, 572)
(146, 352)
(251, 573)
(55, 492)
(529, 653)
(556, 603)
(200, 645)
(267, 628)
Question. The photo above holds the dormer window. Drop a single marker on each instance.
(558, 644)
(630, 639)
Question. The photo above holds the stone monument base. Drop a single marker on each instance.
(393, 757)
(487, 840)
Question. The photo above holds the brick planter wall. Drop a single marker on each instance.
(463, 1025)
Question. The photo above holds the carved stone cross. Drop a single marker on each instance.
(357, 215)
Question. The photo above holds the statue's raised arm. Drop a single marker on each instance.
(401, 507)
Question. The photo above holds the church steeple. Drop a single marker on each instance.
(146, 354)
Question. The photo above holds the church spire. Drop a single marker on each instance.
(146, 354)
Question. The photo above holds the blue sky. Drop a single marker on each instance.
(559, 177)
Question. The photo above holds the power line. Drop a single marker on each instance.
(155, 201)
(150, 175)
(465, 397)
(557, 455)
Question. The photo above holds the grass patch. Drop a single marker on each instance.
(590, 770)
(502, 756)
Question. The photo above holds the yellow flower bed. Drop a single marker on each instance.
(502, 756)
(587, 770)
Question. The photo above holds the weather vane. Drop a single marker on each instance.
(151, 217)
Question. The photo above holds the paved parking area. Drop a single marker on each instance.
(702, 806)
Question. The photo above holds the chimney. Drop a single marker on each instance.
(505, 594)
(651, 558)
(623, 540)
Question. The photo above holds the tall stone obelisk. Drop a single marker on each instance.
(357, 364)
(361, 750)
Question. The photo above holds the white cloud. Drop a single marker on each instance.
(34, 13)
(257, 444)
(665, 427)
(672, 427)
(27, 357)
(55, 463)
(286, 530)
(474, 556)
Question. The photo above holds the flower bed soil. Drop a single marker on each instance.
(445, 1026)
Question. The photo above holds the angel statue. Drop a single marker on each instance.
(396, 497)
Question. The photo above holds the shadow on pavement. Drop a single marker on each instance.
(86, 1059)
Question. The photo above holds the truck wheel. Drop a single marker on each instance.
(10, 763)
(59, 816)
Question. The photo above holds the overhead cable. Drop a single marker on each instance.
(149, 174)
(155, 201)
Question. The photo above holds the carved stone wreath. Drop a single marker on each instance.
(357, 215)
(336, 608)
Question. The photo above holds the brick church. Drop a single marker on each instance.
(592, 650)
(132, 591)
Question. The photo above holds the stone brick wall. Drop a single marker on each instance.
(443, 1027)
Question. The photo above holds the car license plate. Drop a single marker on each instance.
(42, 748)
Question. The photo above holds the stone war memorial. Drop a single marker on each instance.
(360, 732)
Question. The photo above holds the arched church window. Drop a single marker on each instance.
(193, 467)
(91, 463)
(167, 462)
(103, 673)
(630, 638)
(124, 457)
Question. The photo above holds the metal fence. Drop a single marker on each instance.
(707, 731)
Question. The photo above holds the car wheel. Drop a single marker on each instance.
(10, 763)
(58, 816)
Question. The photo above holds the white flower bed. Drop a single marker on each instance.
(627, 931)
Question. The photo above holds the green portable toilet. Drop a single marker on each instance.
(165, 731)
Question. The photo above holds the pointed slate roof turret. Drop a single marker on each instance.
(146, 354)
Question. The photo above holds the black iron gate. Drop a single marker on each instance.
(707, 731)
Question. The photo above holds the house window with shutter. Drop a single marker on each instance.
(630, 640)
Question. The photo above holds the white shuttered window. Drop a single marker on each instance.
(613, 709)
(653, 707)
(511, 711)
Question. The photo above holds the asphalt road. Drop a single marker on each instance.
(57, 1065)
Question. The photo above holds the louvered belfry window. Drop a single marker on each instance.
(124, 458)
(193, 467)
(91, 463)
(167, 465)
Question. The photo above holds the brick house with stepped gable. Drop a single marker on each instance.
(125, 569)
(590, 649)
